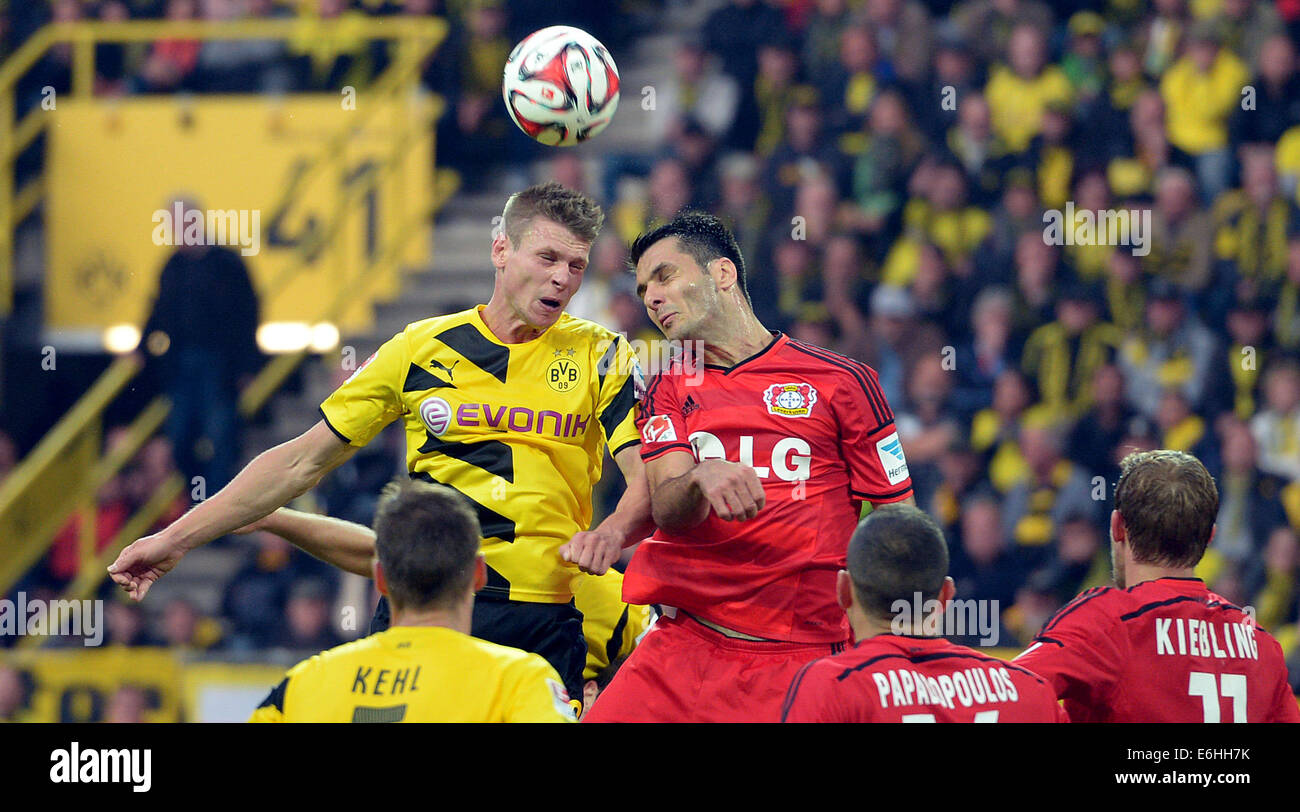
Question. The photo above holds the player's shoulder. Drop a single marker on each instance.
(332, 658)
(828, 366)
(586, 330)
(418, 331)
(1103, 601)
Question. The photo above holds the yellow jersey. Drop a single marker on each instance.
(520, 430)
(610, 626)
(419, 674)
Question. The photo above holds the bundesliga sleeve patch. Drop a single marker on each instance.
(658, 429)
(890, 451)
(560, 698)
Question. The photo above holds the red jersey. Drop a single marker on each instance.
(899, 678)
(1167, 650)
(817, 430)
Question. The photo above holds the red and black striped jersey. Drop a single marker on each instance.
(1167, 650)
(899, 678)
(817, 430)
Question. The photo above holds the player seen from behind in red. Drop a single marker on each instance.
(1160, 646)
(759, 452)
(901, 670)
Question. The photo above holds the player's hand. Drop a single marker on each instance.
(143, 562)
(594, 551)
(732, 489)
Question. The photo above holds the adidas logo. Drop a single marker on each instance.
(689, 406)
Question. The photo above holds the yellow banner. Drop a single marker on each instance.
(261, 172)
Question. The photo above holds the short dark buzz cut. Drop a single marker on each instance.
(427, 539)
(553, 201)
(895, 553)
(1169, 503)
(702, 236)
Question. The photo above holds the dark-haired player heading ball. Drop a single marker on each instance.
(759, 455)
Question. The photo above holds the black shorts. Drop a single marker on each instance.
(553, 630)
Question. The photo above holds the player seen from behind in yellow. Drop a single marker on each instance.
(425, 667)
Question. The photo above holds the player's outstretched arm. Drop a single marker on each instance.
(346, 545)
(271, 479)
(682, 492)
(596, 550)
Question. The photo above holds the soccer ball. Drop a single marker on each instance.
(560, 86)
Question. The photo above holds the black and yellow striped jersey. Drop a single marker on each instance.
(419, 674)
(518, 429)
(610, 626)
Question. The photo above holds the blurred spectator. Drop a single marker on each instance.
(258, 593)
(126, 706)
(1277, 426)
(984, 566)
(803, 151)
(1254, 224)
(904, 35)
(926, 423)
(982, 358)
(1084, 63)
(185, 629)
(730, 33)
(698, 91)
(1056, 489)
(1036, 268)
(995, 431)
(1247, 27)
(1022, 89)
(1162, 33)
(15, 695)
(1103, 426)
(241, 66)
(473, 135)
(1181, 233)
(1248, 349)
(1201, 90)
(956, 76)
(849, 85)
(775, 89)
(606, 273)
(307, 626)
(822, 39)
(1249, 506)
(203, 324)
(126, 625)
(1173, 349)
(329, 48)
(171, 63)
(1276, 105)
(744, 206)
(938, 213)
(1062, 356)
(988, 24)
(891, 148)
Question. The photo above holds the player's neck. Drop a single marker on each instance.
(505, 325)
(736, 340)
(457, 619)
(1135, 573)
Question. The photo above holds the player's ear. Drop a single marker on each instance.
(844, 590)
(381, 582)
(480, 572)
(1118, 532)
(724, 273)
(946, 593)
(590, 690)
(500, 248)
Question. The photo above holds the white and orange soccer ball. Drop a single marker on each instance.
(561, 86)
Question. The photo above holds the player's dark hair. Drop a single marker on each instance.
(1168, 502)
(573, 210)
(427, 538)
(702, 236)
(896, 552)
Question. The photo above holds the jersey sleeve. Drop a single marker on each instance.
(877, 466)
(372, 398)
(272, 708)
(621, 388)
(1078, 652)
(661, 423)
(537, 694)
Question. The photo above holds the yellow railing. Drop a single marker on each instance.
(61, 477)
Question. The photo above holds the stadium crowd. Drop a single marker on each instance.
(886, 166)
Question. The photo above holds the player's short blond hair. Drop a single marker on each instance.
(573, 210)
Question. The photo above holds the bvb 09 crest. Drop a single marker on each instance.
(790, 399)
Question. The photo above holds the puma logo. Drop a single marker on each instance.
(446, 369)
